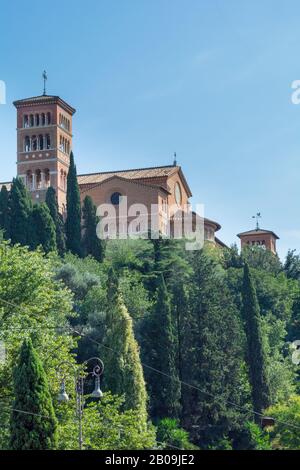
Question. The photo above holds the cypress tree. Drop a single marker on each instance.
(256, 355)
(44, 229)
(91, 244)
(51, 201)
(73, 222)
(123, 369)
(20, 212)
(5, 212)
(34, 426)
(212, 359)
(161, 353)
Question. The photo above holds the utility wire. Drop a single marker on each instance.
(235, 405)
(188, 384)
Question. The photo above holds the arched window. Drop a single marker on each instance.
(47, 178)
(37, 119)
(27, 144)
(31, 120)
(26, 121)
(43, 119)
(116, 198)
(48, 142)
(29, 179)
(61, 178)
(48, 118)
(41, 142)
(38, 179)
(34, 143)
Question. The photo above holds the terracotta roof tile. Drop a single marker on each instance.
(138, 173)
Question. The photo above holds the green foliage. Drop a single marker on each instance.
(5, 212)
(292, 265)
(106, 426)
(73, 222)
(256, 355)
(124, 373)
(51, 201)
(33, 422)
(161, 353)
(44, 233)
(212, 361)
(285, 434)
(170, 435)
(259, 258)
(32, 304)
(91, 244)
(20, 212)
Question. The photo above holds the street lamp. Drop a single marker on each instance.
(80, 378)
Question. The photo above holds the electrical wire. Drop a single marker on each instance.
(229, 402)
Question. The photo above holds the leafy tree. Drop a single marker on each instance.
(285, 434)
(252, 437)
(73, 222)
(212, 364)
(91, 244)
(33, 422)
(44, 229)
(51, 201)
(106, 426)
(292, 265)
(124, 373)
(20, 212)
(5, 212)
(31, 302)
(171, 435)
(161, 354)
(256, 355)
(258, 257)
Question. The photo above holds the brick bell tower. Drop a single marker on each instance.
(44, 143)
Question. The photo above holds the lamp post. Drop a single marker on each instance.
(80, 378)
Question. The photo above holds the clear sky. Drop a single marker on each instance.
(208, 79)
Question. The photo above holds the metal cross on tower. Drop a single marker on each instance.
(45, 79)
(257, 217)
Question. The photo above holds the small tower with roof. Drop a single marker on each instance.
(259, 237)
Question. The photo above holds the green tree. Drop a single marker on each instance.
(285, 433)
(123, 369)
(31, 301)
(212, 363)
(5, 212)
(20, 211)
(106, 426)
(91, 244)
(161, 354)
(51, 201)
(33, 422)
(73, 222)
(44, 229)
(256, 355)
(171, 435)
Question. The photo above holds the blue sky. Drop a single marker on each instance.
(209, 79)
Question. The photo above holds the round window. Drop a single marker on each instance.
(178, 196)
(116, 198)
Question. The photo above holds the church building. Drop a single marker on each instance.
(44, 143)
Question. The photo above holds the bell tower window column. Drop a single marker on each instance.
(33, 181)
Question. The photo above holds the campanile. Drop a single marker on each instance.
(44, 143)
